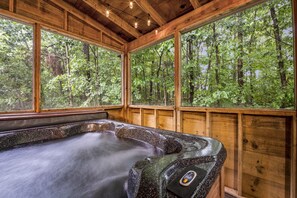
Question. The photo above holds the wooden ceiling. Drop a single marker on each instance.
(121, 19)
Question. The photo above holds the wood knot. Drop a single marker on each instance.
(254, 145)
(245, 141)
(260, 169)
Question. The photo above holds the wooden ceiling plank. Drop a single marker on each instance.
(72, 10)
(147, 7)
(210, 11)
(195, 3)
(114, 18)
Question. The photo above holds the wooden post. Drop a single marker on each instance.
(207, 124)
(127, 80)
(11, 5)
(141, 116)
(222, 181)
(294, 142)
(293, 160)
(37, 49)
(177, 80)
(65, 20)
(125, 83)
(239, 168)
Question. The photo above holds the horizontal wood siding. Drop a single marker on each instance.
(77, 26)
(223, 127)
(45, 12)
(264, 169)
(50, 16)
(4, 4)
(266, 156)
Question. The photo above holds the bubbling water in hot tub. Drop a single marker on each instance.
(88, 165)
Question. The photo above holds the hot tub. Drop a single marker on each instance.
(91, 156)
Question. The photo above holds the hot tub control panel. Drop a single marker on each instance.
(187, 179)
(184, 183)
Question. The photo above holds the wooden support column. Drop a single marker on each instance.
(294, 160)
(126, 78)
(141, 116)
(11, 5)
(66, 20)
(239, 168)
(156, 118)
(177, 80)
(294, 136)
(207, 124)
(37, 49)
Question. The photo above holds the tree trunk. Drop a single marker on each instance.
(86, 51)
(191, 71)
(240, 74)
(68, 75)
(216, 45)
(278, 46)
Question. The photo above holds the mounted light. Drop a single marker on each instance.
(136, 24)
(149, 20)
(131, 4)
(107, 12)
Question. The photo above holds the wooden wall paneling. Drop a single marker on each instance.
(166, 120)
(194, 123)
(135, 116)
(224, 128)
(77, 26)
(110, 41)
(149, 119)
(115, 114)
(87, 19)
(4, 4)
(266, 156)
(48, 13)
(37, 54)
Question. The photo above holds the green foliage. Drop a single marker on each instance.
(241, 60)
(152, 71)
(76, 74)
(16, 66)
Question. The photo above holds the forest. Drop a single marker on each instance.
(77, 74)
(243, 60)
(73, 73)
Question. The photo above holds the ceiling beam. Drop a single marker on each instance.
(69, 8)
(147, 7)
(195, 3)
(113, 17)
(211, 11)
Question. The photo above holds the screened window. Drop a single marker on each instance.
(244, 60)
(16, 66)
(77, 74)
(152, 71)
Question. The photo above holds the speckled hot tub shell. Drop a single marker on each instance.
(149, 177)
